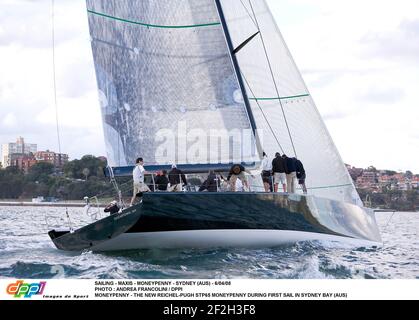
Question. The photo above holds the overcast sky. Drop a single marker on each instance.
(360, 59)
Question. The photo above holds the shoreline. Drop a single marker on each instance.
(44, 204)
(82, 204)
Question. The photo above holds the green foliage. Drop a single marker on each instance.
(392, 199)
(412, 200)
(86, 166)
(11, 183)
(81, 178)
(40, 172)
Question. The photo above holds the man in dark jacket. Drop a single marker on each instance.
(301, 175)
(291, 171)
(176, 177)
(211, 184)
(161, 181)
(278, 170)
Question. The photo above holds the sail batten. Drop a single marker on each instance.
(280, 98)
(149, 25)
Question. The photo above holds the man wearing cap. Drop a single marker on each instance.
(176, 177)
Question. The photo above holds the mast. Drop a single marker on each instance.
(236, 68)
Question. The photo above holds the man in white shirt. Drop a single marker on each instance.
(267, 173)
(138, 177)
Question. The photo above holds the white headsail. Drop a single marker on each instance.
(281, 103)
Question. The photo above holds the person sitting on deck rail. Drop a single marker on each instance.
(138, 177)
(237, 172)
(211, 184)
(176, 177)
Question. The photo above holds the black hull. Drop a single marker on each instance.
(160, 213)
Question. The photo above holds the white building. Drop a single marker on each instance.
(19, 146)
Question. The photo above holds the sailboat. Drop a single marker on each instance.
(176, 78)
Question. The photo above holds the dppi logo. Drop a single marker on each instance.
(27, 290)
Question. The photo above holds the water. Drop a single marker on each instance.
(27, 252)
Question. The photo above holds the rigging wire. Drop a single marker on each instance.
(273, 77)
(251, 91)
(384, 229)
(389, 220)
(250, 16)
(55, 75)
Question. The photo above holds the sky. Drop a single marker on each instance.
(359, 58)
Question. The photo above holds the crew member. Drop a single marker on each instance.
(162, 181)
(278, 170)
(301, 175)
(267, 173)
(138, 177)
(176, 177)
(237, 172)
(291, 171)
(211, 184)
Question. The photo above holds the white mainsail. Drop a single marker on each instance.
(166, 77)
(281, 103)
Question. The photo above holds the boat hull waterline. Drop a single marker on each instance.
(204, 239)
(204, 220)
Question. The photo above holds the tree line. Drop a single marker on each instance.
(399, 200)
(77, 179)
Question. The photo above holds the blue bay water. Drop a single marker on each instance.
(27, 252)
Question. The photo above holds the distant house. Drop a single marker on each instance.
(368, 179)
(57, 159)
(19, 147)
(22, 161)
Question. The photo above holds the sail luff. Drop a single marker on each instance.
(235, 63)
(236, 67)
